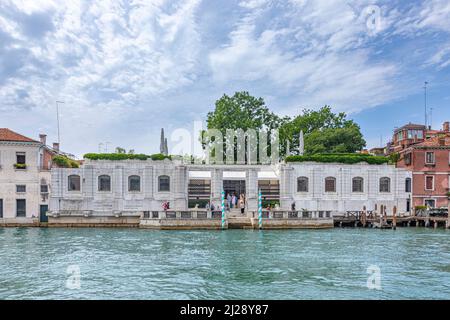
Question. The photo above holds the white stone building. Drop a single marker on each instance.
(24, 178)
(129, 189)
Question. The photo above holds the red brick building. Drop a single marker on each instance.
(426, 153)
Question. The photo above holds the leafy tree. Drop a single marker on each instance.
(324, 132)
(120, 150)
(240, 111)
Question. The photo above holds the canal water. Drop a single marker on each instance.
(413, 263)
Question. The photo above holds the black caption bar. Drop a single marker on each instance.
(251, 309)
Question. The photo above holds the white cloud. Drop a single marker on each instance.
(134, 66)
(320, 58)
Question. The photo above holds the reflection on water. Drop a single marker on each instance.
(232, 264)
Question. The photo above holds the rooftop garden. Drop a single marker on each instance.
(125, 156)
(65, 162)
(346, 158)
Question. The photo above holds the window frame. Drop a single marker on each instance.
(426, 182)
(46, 186)
(426, 157)
(159, 183)
(408, 158)
(408, 185)
(306, 179)
(362, 184)
(21, 154)
(79, 183)
(21, 185)
(129, 183)
(380, 184)
(334, 184)
(99, 185)
(24, 201)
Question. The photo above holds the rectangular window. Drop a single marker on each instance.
(302, 184)
(408, 159)
(44, 188)
(429, 183)
(1, 208)
(429, 158)
(412, 134)
(430, 203)
(408, 185)
(21, 208)
(21, 188)
(330, 185)
(20, 158)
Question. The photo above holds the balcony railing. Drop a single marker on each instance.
(289, 214)
(183, 214)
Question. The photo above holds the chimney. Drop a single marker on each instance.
(446, 126)
(43, 138)
(56, 146)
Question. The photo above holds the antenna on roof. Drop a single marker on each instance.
(57, 119)
(431, 117)
(425, 100)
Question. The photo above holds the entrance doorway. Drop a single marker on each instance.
(43, 213)
(234, 186)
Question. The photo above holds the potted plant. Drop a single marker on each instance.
(448, 195)
(20, 166)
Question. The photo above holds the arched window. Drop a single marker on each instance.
(302, 184)
(357, 184)
(134, 183)
(164, 183)
(330, 184)
(408, 185)
(385, 184)
(104, 183)
(74, 183)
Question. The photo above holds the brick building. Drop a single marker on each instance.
(426, 153)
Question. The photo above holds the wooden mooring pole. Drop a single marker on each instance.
(447, 223)
(364, 217)
(394, 218)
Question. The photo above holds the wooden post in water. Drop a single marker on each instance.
(394, 218)
(381, 216)
(447, 223)
(364, 217)
(375, 211)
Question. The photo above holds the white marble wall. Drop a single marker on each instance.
(343, 199)
(119, 199)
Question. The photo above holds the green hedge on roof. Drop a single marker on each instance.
(347, 158)
(65, 162)
(125, 156)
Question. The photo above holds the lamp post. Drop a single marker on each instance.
(57, 119)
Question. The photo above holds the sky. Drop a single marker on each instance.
(124, 69)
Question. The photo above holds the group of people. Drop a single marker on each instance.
(232, 201)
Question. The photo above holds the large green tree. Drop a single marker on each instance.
(324, 132)
(241, 111)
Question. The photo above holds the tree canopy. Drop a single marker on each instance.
(324, 131)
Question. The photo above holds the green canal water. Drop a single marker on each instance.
(234, 264)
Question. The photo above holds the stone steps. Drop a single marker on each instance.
(239, 222)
